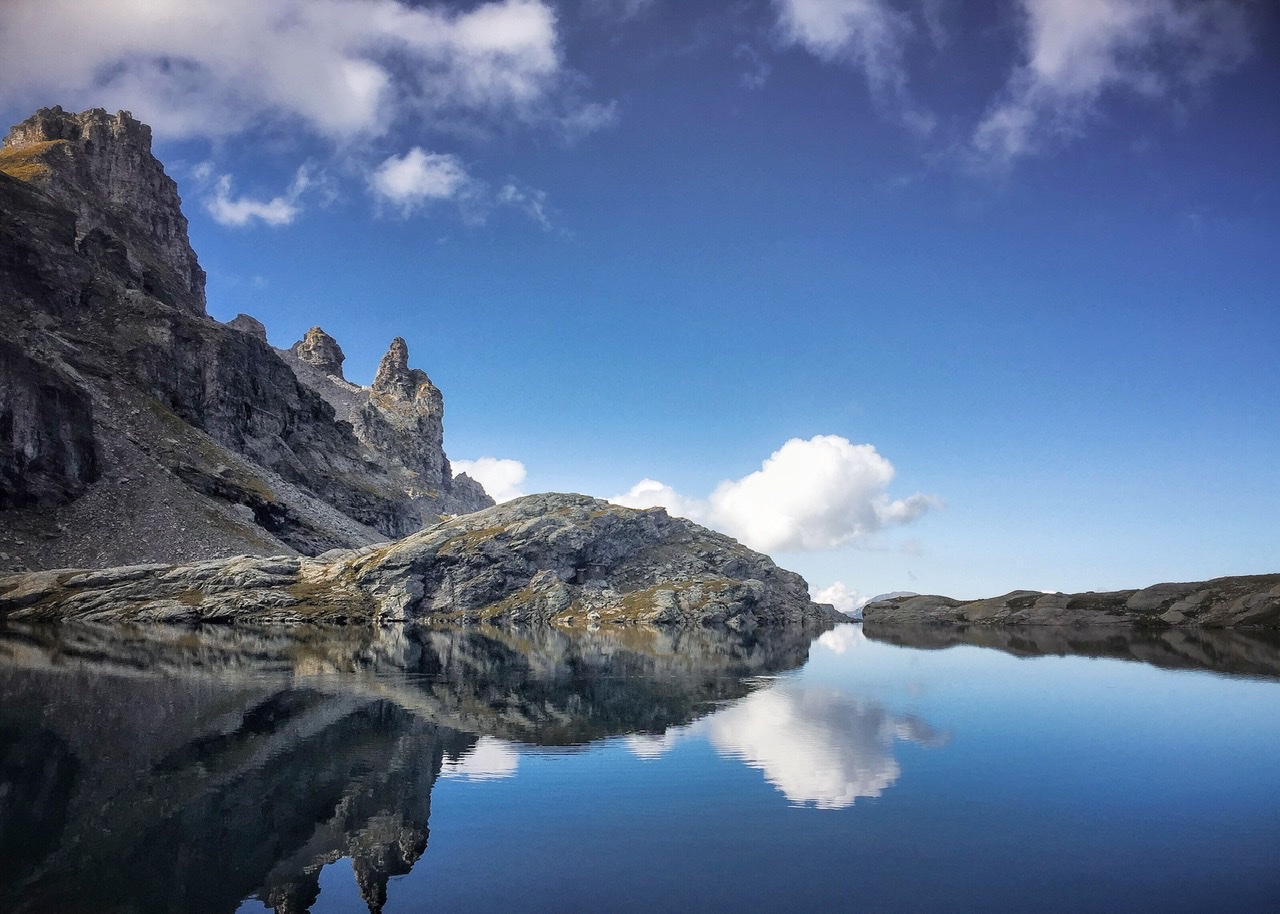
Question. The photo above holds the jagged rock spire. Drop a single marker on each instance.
(394, 376)
(321, 351)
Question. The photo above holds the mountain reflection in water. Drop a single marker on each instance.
(158, 768)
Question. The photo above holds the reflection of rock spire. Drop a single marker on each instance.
(295, 897)
(387, 847)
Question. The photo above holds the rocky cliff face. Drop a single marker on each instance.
(399, 419)
(565, 559)
(100, 166)
(133, 427)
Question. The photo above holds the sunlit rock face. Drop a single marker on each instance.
(399, 420)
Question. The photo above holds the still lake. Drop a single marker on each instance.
(237, 769)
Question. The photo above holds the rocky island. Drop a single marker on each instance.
(193, 472)
(1243, 601)
(561, 559)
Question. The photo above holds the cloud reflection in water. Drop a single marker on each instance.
(818, 745)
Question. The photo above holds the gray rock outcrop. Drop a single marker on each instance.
(134, 427)
(399, 419)
(563, 559)
(100, 166)
(1251, 600)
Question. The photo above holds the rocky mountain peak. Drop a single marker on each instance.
(396, 379)
(321, 351)
(100, 166)
(247, 323)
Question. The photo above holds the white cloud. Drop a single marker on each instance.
(240, 211)
(868, 34)
(649, 493)
(842, 597)
(533, 203)
(488, 760)
(1075, 51)
(342, 67)
(809, 495)
(588, 118)
(501, 478)
(418, 178)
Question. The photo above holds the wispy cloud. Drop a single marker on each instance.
(870, 35)
(619, 10)
(809, 495)
(343, 68)
(587, 119)
(416, 180)
(241, 211)
(757, 69)
(1077, 51)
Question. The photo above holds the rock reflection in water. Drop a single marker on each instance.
(1235, 651)
(172, 769)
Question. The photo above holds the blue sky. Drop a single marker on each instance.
(991, 287)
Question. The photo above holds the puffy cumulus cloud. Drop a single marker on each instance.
(1075, 51)
(842, 597)
(649, 493)
(342, 67)
(868, 34)
(809, 495)
(418, 178)
(241, 211)
(501, 478)
(488, 760)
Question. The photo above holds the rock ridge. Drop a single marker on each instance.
(1227, 602)
(556, 558)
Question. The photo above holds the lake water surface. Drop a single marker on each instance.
(231, 769)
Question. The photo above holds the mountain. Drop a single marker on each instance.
(136, 428)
